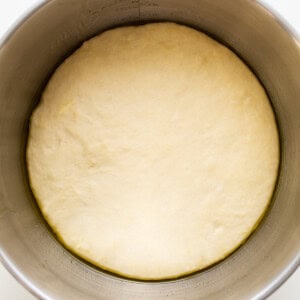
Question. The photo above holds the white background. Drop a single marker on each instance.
(10, 11)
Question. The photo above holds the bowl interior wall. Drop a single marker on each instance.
(27, 59)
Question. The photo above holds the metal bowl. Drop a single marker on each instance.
(28, 56)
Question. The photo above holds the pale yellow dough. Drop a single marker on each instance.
(154, 151)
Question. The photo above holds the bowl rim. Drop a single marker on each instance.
(276, 282)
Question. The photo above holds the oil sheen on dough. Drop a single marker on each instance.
(153, 152)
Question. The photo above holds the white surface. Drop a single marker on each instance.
(9, 12)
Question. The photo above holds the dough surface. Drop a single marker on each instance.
(153, 152)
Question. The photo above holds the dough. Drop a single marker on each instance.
(153, 152)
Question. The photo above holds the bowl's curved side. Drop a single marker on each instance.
(28, 55)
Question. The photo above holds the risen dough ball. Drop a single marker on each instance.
(154, 151)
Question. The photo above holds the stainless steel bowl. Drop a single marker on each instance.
(28, 56)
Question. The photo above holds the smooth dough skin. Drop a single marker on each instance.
(153, 152)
